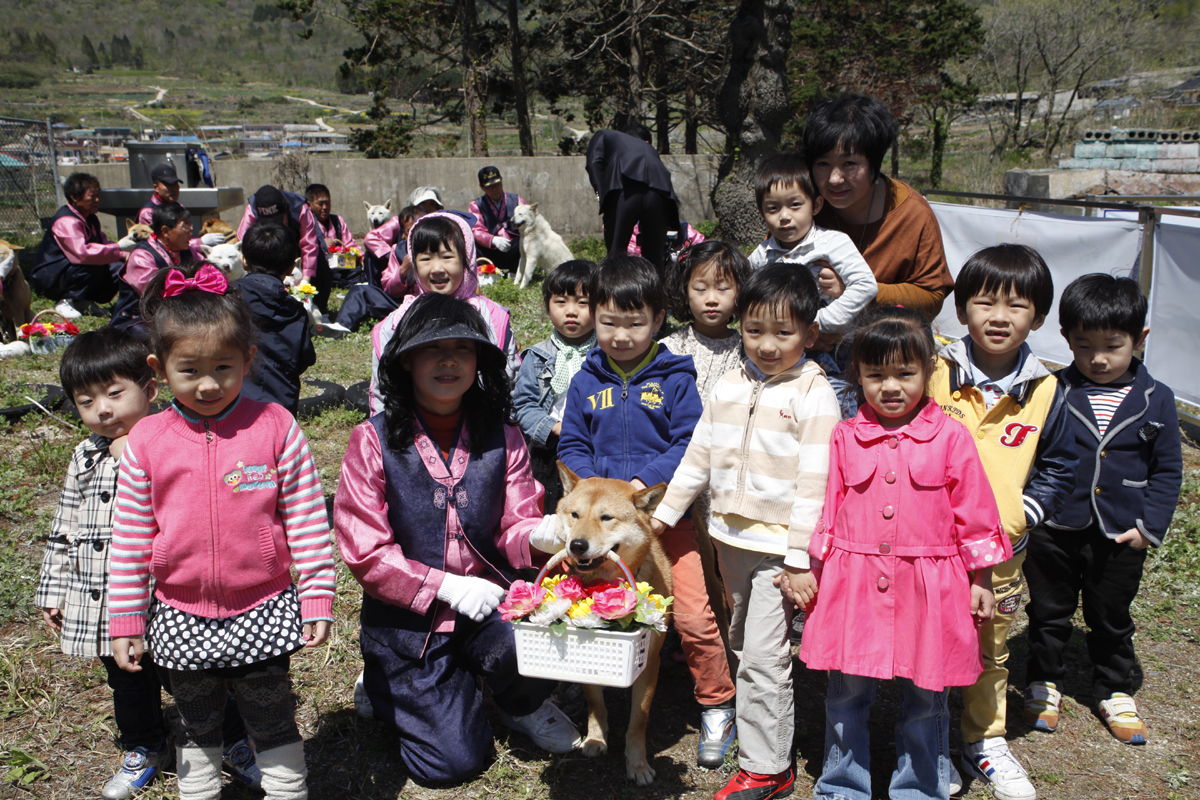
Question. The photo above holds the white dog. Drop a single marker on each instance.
(377, 215)
(227, 258)
(540, 245)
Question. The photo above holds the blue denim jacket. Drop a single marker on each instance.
(532, 396)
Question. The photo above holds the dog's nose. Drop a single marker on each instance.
(579, 546)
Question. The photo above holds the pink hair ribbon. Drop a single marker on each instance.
(207, 279)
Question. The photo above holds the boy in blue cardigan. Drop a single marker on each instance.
(1130, 470)
(629, 415)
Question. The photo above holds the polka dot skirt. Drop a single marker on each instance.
(179, 640)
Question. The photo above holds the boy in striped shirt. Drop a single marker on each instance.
(1126, 432)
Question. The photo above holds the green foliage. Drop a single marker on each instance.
(707, 227)
(20, 76)
(24, 768)
(588, 247)
(391, 136)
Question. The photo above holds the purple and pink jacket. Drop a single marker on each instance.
(141, 266)
(330, 229)
(70, 232)
(308, 236)
(216, 511)
(495, 315)
(378, 561)
(908, 512)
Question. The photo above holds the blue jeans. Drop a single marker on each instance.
(922, 742)
(835, 364)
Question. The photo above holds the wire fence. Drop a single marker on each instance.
(29, 187)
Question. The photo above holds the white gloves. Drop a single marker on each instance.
(545, 535)
(212, 239)
(501, 244)
(127, 244)
(472, 597)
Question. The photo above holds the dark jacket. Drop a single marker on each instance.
(614, 158)
(285, 348)
(638, 428)
(1129, 477)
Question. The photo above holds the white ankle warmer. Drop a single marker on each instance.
(284, 773)
(199, 770)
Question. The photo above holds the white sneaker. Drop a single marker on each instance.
(549, 728)
(362, 703)
(67, 311)
(956, 781)
(333, 326)
(991, 763)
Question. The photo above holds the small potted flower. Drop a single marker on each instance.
(595, 632)
(46, 337)
(487, 272)
(342, 257)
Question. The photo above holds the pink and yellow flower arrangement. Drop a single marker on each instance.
(564, 600)
(43, 330)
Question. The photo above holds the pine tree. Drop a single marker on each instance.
(89, 52)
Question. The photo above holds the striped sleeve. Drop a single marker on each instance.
(306, 525)
(134, 529)
(692, 476)
(817, 415)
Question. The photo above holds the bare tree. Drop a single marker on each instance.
(1042, 54)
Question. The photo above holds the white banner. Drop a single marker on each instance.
(1173, 349)
(1072, 246)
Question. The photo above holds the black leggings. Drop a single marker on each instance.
(652, 211)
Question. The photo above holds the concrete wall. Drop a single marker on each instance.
(1065, 184)
(558, 184)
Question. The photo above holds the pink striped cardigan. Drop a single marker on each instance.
(216, 511)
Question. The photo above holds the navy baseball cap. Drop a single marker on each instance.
(164, 173)
(489, 176)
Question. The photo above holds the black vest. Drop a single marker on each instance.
(417, 511)
(492, 222)
(51, 260)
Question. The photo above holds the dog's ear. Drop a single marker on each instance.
(648, 499)
(129, 223)
(533, 207)
(368, 205)
(388, 204)
(569, 479)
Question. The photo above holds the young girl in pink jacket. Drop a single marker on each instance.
(217, 498)
(903, 558)
(436, 510)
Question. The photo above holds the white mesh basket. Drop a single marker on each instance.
(581, 655)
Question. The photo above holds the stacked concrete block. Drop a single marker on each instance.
(1175, 152)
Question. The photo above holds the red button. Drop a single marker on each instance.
(883, 584)
(888, 512)
(885, 548)
(890, 477)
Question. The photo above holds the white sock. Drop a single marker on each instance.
(199, 770)
(284, 773)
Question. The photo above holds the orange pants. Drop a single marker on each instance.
(694, 620)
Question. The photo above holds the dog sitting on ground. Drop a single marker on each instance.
(597, 516)
(217, 226)
(540, 245)
(15, 298)
(227, 258)
(377, 215)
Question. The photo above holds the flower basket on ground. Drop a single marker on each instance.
(344, 257)
(46, 337)
(596, 632)
(487, 272)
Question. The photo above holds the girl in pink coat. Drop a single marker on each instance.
(903, 559)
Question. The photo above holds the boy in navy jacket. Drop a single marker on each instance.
(1130, 470)
(629, 415)
(285, 348)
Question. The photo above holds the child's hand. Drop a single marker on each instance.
(798, 586)
(658, 526)
(316, 633)
(557, 429)
(983, 601)
(53, 618)
(128, 651)
(830, 283)
(1135, 538)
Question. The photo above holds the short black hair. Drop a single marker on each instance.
(271, 248)
(102, 356)
(430, 233)
(728, 262)
(1100, 302)
(637, 130)
(77, 184)
(167, 215)
(854, 123)
(569, 277)
(783, 169)
(892, 335)
(315, 190)
(628, 282)
(409, 214)
(1004, 268)
(781, 287)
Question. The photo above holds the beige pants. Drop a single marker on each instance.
(985, 703)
